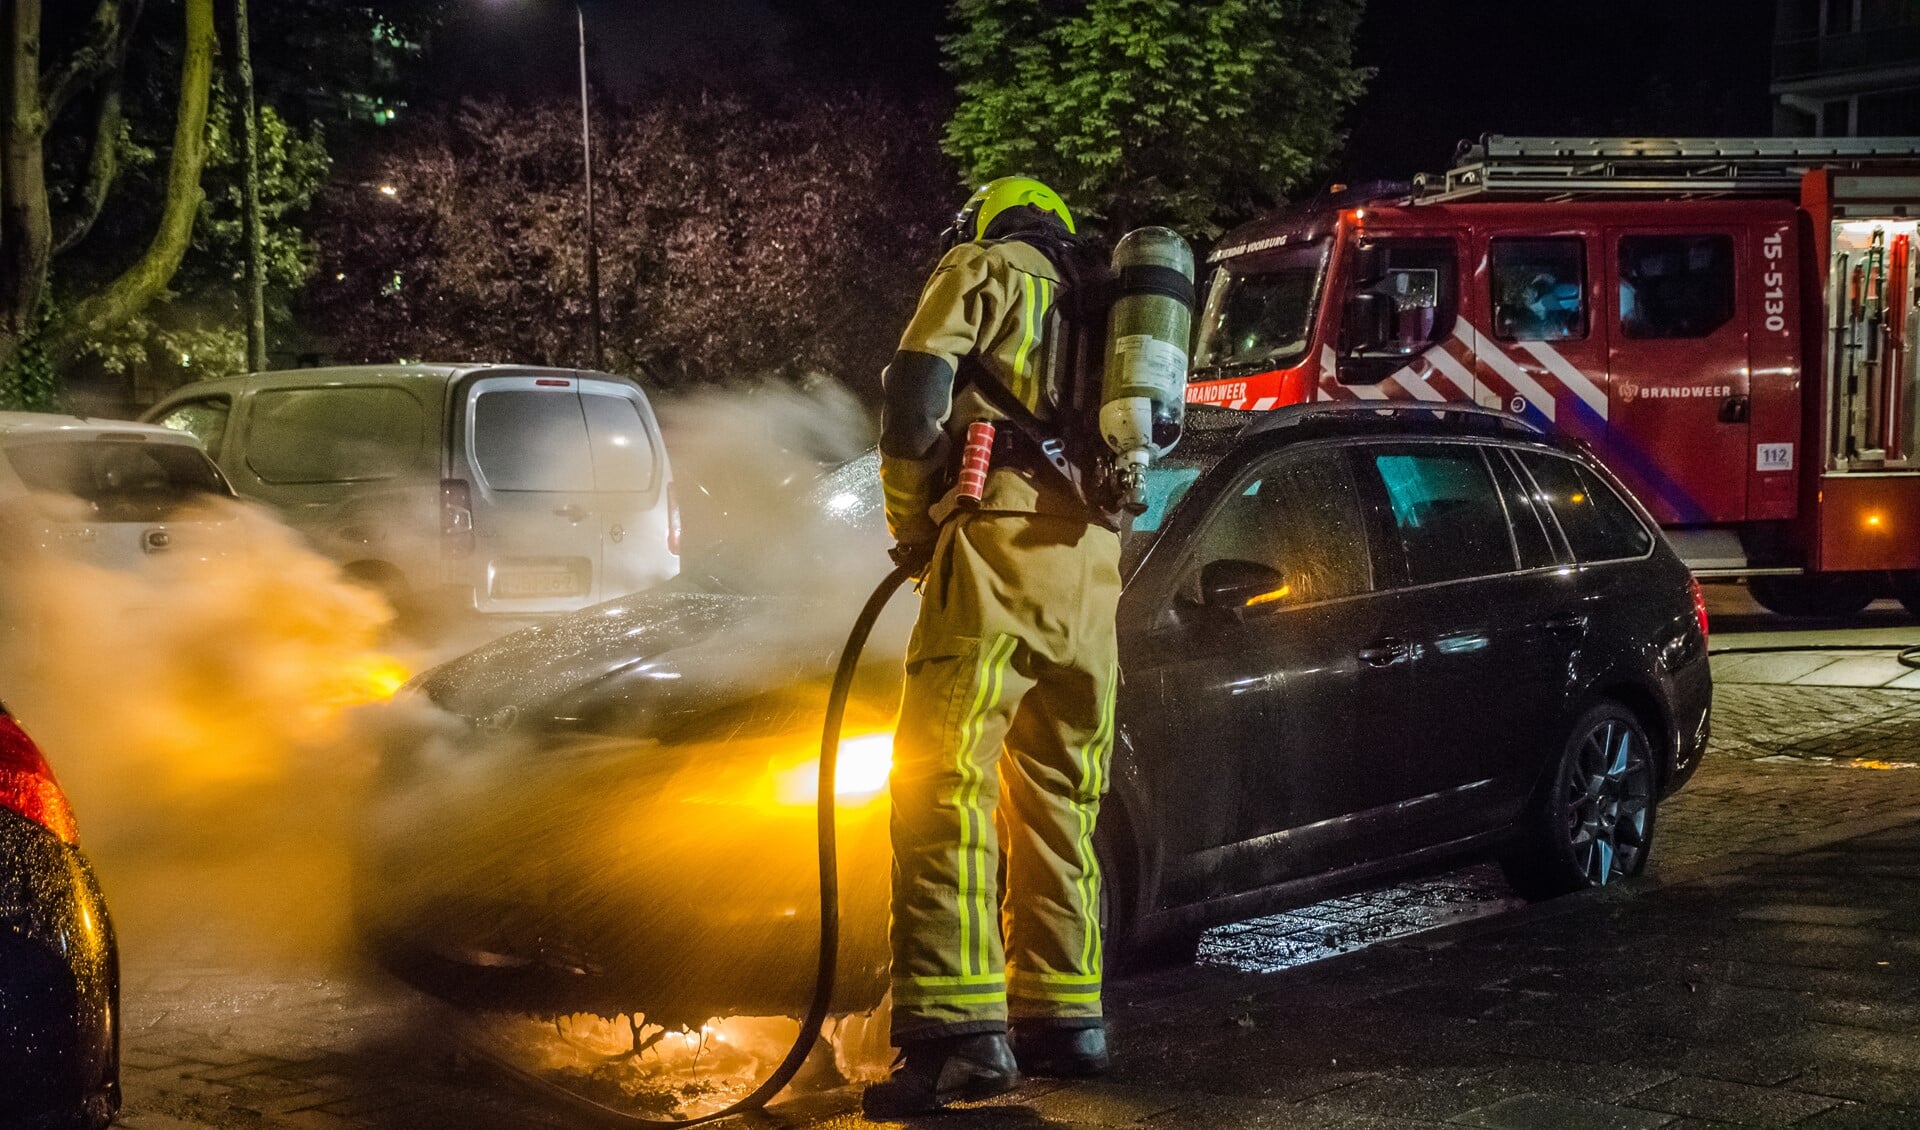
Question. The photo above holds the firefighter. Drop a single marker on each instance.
(1008, 709)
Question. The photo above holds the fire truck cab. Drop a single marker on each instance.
(1730, 324)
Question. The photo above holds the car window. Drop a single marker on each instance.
(623, 458)
(1440, 504)
(1598, 523)
(116, 480)
(532, 439)
(1299, 515)
(1531, 538)
(1163, 489)
(1539, 289)
(204, 420)
(1675, 285)
(328, 435)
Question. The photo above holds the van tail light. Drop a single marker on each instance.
(27, 786)
(1699, 605)
(673, 520)
(456, 518)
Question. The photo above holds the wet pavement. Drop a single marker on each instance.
(1763, 973)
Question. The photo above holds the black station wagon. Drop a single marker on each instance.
(1356, 642)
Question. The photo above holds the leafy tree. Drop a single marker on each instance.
(738, 237)
(36, 337)
(196, 327)
(1190, 112)
(134, 132)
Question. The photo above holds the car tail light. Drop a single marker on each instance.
(456, 518)
(1699, 605)
(27, 785)
(673, 520)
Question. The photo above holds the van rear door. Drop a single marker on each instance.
(630, 484)
(535, 531)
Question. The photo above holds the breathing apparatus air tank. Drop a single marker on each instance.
(1144, 392)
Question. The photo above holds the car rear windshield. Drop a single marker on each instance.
(334, 435)
(623, 457)
(1259, 316)
(116, 480)
(1599, 524)
(532, 439)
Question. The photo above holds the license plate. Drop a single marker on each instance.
(545, 582)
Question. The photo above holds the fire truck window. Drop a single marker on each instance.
(1419, 278)
(1539, 289)
(1599, 525)
(1259, 315)
(1300, 516)
(1441, 504)
(1675, 286)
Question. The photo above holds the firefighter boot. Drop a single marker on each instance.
(1053, 1052)
(939, 1071)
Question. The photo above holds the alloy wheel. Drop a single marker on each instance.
(1609, 802)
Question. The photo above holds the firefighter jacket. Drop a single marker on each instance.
(987, 314)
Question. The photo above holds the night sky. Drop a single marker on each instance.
(1447, 69)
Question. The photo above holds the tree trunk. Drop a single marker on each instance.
(148, 278)
(26, 228)
(250, 149)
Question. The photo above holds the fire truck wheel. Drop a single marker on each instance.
(1906, 586)
(1827, 597)
(1593, 824)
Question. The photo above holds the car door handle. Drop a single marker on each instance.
(1566, 624)
(572, 512)
(1386, 652)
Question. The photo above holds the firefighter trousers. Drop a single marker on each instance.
(1011, 678)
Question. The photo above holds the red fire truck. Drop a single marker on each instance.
(1729, 323)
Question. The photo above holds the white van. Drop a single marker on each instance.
(508, 488)
(105, 492)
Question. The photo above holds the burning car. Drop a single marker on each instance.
(1357, 641)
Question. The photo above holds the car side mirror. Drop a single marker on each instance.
(1366, 322)
(1231, 583)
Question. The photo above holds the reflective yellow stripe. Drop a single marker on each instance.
(951, 998)
(1092, 945)
(1056, 996)
(1022, 977)
(949, 990)
(1027, 320)
(986, 695)
(1040, 307)
(964, 981)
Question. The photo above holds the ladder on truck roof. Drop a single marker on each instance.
(1563, 168)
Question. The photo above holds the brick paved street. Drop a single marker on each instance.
(1766, 973)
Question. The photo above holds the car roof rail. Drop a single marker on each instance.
(1295, 415)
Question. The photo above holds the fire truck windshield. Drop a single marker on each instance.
(1260, 309)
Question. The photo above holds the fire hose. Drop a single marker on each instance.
(829, 952)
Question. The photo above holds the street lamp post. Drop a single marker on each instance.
(250, 155)
(586, 161)
(586, 152)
